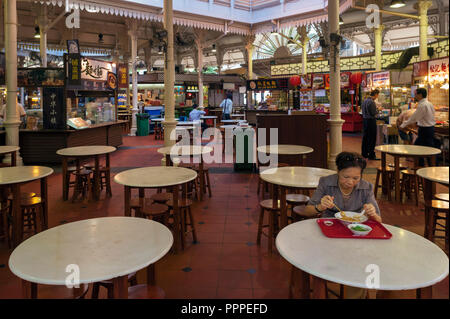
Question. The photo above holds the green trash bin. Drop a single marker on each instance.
(142, 123)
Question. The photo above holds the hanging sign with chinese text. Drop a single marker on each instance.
(73, 69)
(381, 79)
(122, 74)
(438, 71)
(54, 113)
(420, 69)
(268, 84)
(95, 70)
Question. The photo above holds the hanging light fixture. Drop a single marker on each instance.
(100, 38)
(214, 48)
(397, 4)
(341, 22)
(37, 32)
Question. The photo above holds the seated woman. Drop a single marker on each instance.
(346, 189)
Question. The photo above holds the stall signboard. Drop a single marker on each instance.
(381, 79)
(111, 83)
(306, 81)
(95, 70)
(326, 78)
(191, 88)
(318, 81)
(73, 69)
(420, 69)
(364, 80)
(122, 74)
(438, 70)
(345, 80)
(268, 84)
(369, 80)
(54, 113)
(40, 77)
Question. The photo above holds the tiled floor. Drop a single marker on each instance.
(226, 262)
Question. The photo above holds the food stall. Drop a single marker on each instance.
(85, 89)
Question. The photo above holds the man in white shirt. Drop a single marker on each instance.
(227, 107)
(19, 110)
(424, 117)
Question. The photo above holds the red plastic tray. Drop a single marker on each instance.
(338, 230)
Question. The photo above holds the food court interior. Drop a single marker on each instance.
(93, 157)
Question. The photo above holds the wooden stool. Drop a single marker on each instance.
(206, 179)
(390, 176)
(32, 214)
(70, 183)
(295, 200)
(432, 210)
(109, 286)
(267, 205)
(82, 184)
(443, 197)
(105, 178)
(146, 292)
(4, 211)
(161, 198)
(159, 131)
(409, 184)
(184, 206)
(136, 205)
(298, 214)
(156, 212)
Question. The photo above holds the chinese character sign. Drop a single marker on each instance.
(54, 108)
(438, 71)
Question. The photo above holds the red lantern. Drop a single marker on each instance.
(356, 78)
(294, 80)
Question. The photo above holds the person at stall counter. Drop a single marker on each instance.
(406, 133)
(369, 113)
(196, 113)
(227, 107)
(19, 110)
(425, 119)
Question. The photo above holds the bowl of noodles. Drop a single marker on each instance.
(348, 218)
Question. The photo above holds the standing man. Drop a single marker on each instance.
(227, 107)
(424, 117)
(369, 113)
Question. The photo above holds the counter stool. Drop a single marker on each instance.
(32, 214)
(82, 184)
(61, 292)
(161, 198)
(109, 286)
(184, 206)
(69, 183)
(433, 209)
(390, 176)
(443, 197)
(105, 178)
(273, 225)
(409, 184)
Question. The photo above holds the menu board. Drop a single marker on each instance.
(306, 81)
(437, 69)
(268, 84)
(318, 81)
(54, 113)
(40, 77)
(381, 79)
(123, 77)
(73, 69)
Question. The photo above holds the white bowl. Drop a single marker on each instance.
(362, 219)
(360, 232)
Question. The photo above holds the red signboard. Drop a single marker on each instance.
(123, 76)
(420, 69)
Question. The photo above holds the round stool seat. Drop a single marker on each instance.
(23, 195)
(61, 292)
(443, 197)
(154, 209)
(409, 172)
(135, 202)
(32, 201)
(83, 172)
(298, 199)
(145, 292)
(161, 198)
(268, 204)
(300, 211)
(182, 203)
(439, 205)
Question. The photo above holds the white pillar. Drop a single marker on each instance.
(43, 35)
(378, 42)
(169, 77)
(134, 84)
(422, 8)
(12, 121)
(304, 40)
(199, 42)
(249, 47)
(335, 120)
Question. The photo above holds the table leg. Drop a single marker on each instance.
(283, 208)
(202, 177)
(127, 199)
(176, 217)
(299, 285)
(120, 287)
(397, 178)
(29, 290)
(65, 181)
(97, 178)
(424, 293)
(151, 276)
(383, 173)
(319, 288)
(44, 198)
(14, 158)
(17, 229)
(108, 175)
(433, 160)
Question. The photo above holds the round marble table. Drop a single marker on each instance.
(14, 177)
(406, 261)
(157, 177)
(306, 178)
(194, 151)
(400, 150)
(101, 248)
(286, 149)
(430, 176)
(82, 152)
(10, 149)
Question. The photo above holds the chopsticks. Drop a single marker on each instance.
(342, 213)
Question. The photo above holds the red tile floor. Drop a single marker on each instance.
(226, 262)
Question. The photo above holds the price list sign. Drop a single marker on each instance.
(54, 109)
(73, 69)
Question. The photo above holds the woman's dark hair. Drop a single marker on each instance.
(347, 159)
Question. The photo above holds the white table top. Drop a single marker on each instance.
(190, 123)
(435, 174)
(208, 117)
(295, 176)
(86, 150)
(285, 149)
(406, 261)
(103, 249)
(8, 149)
(155, 176)
(400, 149)
(184, 127)
(159, 119)
(23, 174)
(232, 121)
(235, 126)
(237, 115)
(186, 150)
